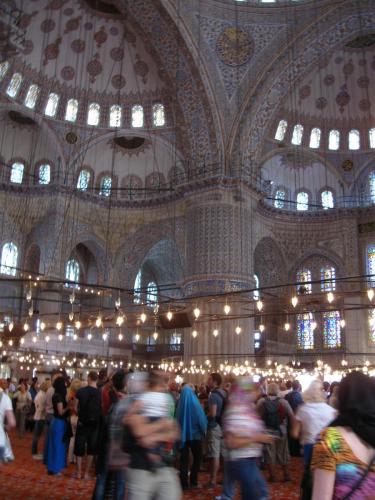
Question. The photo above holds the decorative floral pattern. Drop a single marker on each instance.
(100, 37)
(118, 82)
(47, 25)
(67, 73)
(78, 45)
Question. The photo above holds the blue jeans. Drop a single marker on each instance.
(38, 431)
(229, 485)
(247, 473)
(307, 454)
(117, 486)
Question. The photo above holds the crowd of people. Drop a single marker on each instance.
(133, 430)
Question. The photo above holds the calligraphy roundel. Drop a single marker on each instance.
(234, 46)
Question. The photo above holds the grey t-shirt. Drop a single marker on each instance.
(217, 397)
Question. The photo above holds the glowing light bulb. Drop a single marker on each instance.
(26, 327)
(47, 338)
(238, 330)
(342, 323)
(155, 335)
(287, 326)
(11, 326)
(75, 337)
(120, 320)
(71, 315)
(197, 312)
(98, 322)
(118, 303)
(314, 325)
(294, 301)
(215, 333)
(137, 337)
(169, 315)
(89, 336)
(34, 339)
(22, 341)
(227, 309)
(10, 342)
(28, 295)
(60, 337)
(194, 334)
(262, 328)
(42, 325)
(104, 336)
(370, 294)
(330, 297)
(120, 336)
(78, 324)
(58, 325)
(143, 317)
(259, 305)
(72, 298)
(31, 311)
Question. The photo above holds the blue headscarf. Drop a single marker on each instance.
(191, 417)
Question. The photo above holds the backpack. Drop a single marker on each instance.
(219, 418)
(273, 414)
(91, 412)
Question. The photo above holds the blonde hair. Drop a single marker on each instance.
(44, 386)
(314, 393)
(273, 389)
(75, 385)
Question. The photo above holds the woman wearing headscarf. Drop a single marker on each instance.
(343, 458)
(193, 423)
(57, 439)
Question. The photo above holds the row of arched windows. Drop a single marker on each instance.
(72, 106)
(151, 291)
(334, 137)
(303, 200)
(43, 173)
(331, 330)
(327, 280)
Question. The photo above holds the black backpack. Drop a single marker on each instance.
(271, 414)
(90, 414)
(219, 418)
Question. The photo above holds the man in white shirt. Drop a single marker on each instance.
(6, 414)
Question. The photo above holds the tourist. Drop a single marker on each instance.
(88, 406)
(216, 403)
(294, 397)
(74, 386)
(343, 458)
(333, 395)
(23, 404)
(57, 439)
(276, 414)
(39, 419)
(7, 421)
(193, 424)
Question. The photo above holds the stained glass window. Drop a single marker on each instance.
(158, 115)
(371, 136)
(327, 199)
(372, 186)
(115, 116)
(334, 140)
(281, 130)
(32, 96)
(152, 293)
(279, 198)
(9, 257)
(371, 322)
(72, 271)
(315, 138)
(304, 281)
(105, 186)
(71, 110)
(354, 139)
(297, 134)
(16, 173)
(93, 115)
(137, 116)
(14, 85)
(137, 287)
(302, 201)
(256, 294)
(328, 273)
(51, 106)
(331, 330)
(371, 264)
(44, 174)
(83, 180)
(305, 331)
(4, 66)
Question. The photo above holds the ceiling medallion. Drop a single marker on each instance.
(234, 46)
(347, 165)
(71, 137)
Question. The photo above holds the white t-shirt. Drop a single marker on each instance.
(314, 417)
(156, 404)
(5, 405)
(40, 406)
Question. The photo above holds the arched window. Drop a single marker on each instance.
(44, 174)
(51, 106)
(327, 199)
(372, 186)
(105, 186)
(281, 130)
(115, 116)
(14, 85)
(370, 259)
(371, 136)
(304, 281)
(302, 201)
(328, 279)
(93, 115)
(71, 110)
(305, 331)
(83, 180)
(9, 257)
(137, 288)
(152, 293)
(334, 140)
(371, 322)
(16, 173)
(32, 96)
(158, 115)
(256, 294)
(72, 271)
(137, 116)
(331, 330)
(297, 134)
(279, 201)
(315, 138)
(4, 66)
(354, 139)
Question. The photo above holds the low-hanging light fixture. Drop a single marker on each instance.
(120, 320)
(330, 297)
(259, 305)
(98, 322)
(370, 294)
(169, 315)
(215, 333)
(143, 317)
(227, 309)
(262, 327)
(197, 312)
(287, 326)
(294, 301)
(238, 329)
(194, 334)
